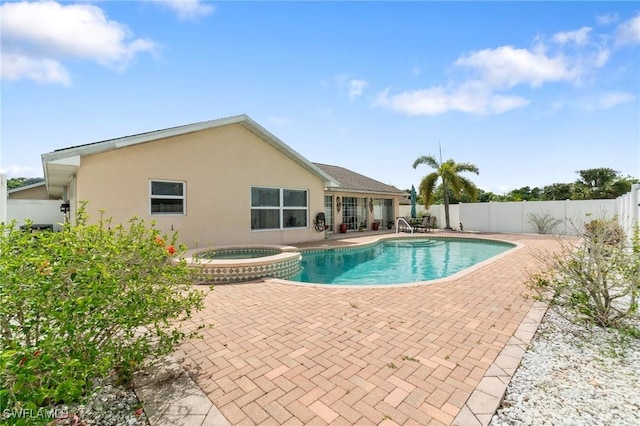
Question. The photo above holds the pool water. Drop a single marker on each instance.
(397, 261)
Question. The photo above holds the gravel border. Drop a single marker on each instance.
(108, 405)
(574, 374)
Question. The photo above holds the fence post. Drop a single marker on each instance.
(634, 214)
(3, 198)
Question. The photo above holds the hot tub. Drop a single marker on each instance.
(231, 264)
(238, 253)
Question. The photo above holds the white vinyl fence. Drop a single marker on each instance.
(46, 212)
(515, 217)
(628, 210)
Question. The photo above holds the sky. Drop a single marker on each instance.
(529, 92)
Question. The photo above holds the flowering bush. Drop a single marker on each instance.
(86, 302)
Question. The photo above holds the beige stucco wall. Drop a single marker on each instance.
(219, 167)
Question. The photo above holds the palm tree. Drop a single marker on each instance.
(451, 180)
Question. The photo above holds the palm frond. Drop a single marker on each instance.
(466, 167)
(429, 160)
(427, 188)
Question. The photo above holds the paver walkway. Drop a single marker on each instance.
(301, 355)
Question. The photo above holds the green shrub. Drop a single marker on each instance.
(596, 278)
(543, 223)
(85, 302)
(608, 231)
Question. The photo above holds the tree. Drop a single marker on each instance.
(524, 194)
(448, 172)
(595, 183)
(557, 191)
(463, 197)
(622, 185)
(486, 196)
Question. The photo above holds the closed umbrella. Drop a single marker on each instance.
(413, 202)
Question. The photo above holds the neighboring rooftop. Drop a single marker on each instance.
(26, 187)
(355, 181)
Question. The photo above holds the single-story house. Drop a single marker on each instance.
(220, 182)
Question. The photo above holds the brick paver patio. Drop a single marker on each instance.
(285, 354)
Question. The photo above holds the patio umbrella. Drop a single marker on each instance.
(413, 202)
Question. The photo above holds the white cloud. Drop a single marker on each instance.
(499, 103)
(497, 70)
(507, 66)
(189, 9)
(578, 37)
(38, 37)
(601, 57)
(607, 19)
(613, 99)
(41, 70)
(628, 32)
(356, 87)
(15, 171)
(489, 75)
(471, 97)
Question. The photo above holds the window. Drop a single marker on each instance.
(167, 197)
(278, 208)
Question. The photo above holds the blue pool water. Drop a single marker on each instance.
(396, 261)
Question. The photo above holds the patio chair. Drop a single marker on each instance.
(431, 223)
(424, 226)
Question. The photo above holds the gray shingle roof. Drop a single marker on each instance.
(350, 180)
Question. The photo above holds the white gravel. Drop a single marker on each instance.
(575, 375)
(108, 405)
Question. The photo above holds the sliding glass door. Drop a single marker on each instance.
(354, 211)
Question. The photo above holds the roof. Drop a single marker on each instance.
(350, 180)
(25, 187)
(60, 165)
(406, 200)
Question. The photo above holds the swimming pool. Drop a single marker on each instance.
(396, 261)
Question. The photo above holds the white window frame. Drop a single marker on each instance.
(281, 208)
(182, 197)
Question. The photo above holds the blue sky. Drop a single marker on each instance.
(530, 92)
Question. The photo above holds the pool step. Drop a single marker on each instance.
(413, 244)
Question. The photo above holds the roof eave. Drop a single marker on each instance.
(73, 155)
(24, 188)
(364, 191)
